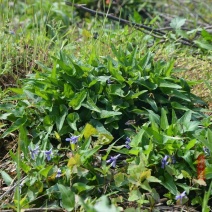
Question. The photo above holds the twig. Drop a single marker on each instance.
(8, 191)
(93, 12)
(153, 32)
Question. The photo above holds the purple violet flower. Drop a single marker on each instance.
(206, 151)
(59, 172)
(181, 196)
(112, 160)
(109, 81)
(73, 139)
(127, 143)
(11, 32)
(173, 158)
(48, 154)
(164, 161)
(33, 152)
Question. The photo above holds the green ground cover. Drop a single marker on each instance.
(104, 116)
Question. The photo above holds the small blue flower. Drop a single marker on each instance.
(109, 81)
(181, 196)
(33, 152)
(59, 172)
(73, 139)
(11, 32)
(112, 160)
(206, 151)
(173, 158)
(48, 154)
(127, 143)
(164, 161)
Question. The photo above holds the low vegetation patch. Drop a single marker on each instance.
(107, 122)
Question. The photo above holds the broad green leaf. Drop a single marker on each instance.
(103, 139)
(76, 102)
(156, 135)
(169, 85)
(170, 67)
(17, 90)
(79, 70)
(209, 136)
(134, 151)
(41, 94)
(145, 185)
(7, 107)
(119, 179)
(178, 106)
(152, 103)
(48, 120)
(137, 139)
(63, 66)
(143, 63)
(101, 129)
(89, 130)
(208, 172)
(153, 179)
(208, 142)
(103, 78)
(206, 35)
(185, 187)
(169, 183)
(60, 118)
(136, 95)
(194, 125)
(147, 84)
(106, 114)
(6, 177)
(82, 187)
(148, 149)
(185, 174)
(191, 144)
(68, 197)
(186, 118)
(68, 91)
(15, 126)
(72, 118)
(189, 159)
(91, 105)
(164, 120)
(57, 136)
(116, 89)
(203, 44)
(75, 160)
(86, 154)
(180, 95)
(134, 195)
(145, 174)
(24, 139)
(115, 72)
(170, 170)
(102, 205)
(45, 171)
(5, 116)
(177, 22)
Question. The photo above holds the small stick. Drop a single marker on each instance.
(156, 32)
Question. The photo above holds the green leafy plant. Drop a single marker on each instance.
(126, 124)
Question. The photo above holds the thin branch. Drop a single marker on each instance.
(153, 32)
